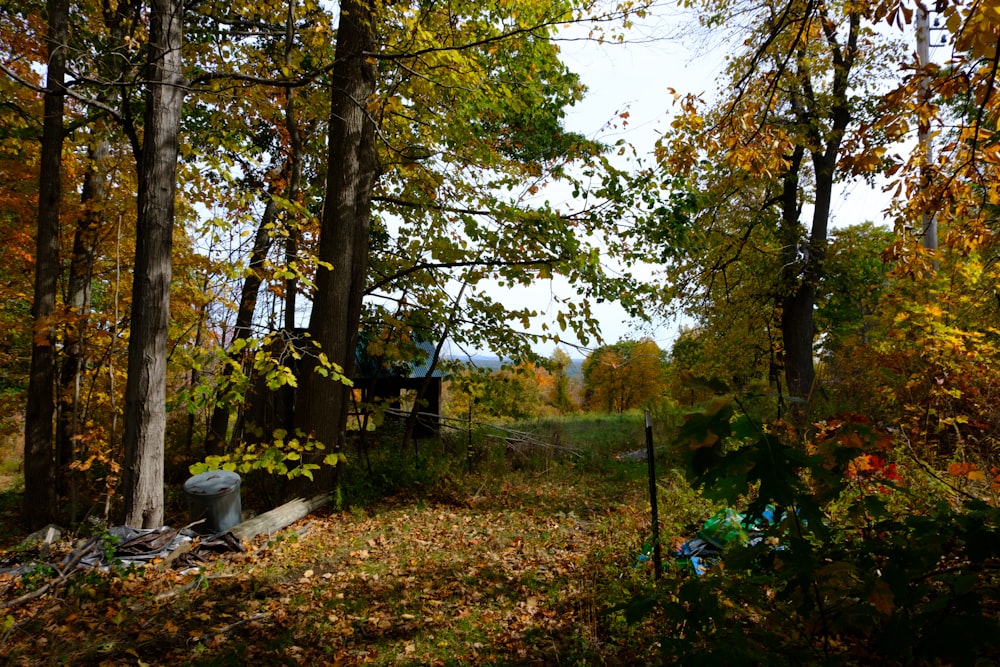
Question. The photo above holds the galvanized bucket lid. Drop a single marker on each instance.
(212, 483)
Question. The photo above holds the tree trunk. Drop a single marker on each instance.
(796, 330)
(797, 321)
(39, 455)
(352, 171)
(81, 271)
(797, 317)
(218, 426)
(218, 429)
(145, 390)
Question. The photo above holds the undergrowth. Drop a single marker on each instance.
(534, 557)
(871, 557)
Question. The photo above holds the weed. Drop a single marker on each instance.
(37, 575)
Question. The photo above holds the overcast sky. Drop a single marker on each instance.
(666, 51)
(634, 77)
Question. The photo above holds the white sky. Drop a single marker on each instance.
(634, 76)
(662, 53)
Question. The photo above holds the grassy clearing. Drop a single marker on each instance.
(11, 475)
(516, 563)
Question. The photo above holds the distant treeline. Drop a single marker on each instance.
(495, 363)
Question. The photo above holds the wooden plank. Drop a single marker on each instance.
(280, 517)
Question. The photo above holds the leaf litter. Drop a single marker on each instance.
(519, 573)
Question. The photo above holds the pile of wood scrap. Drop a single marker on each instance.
(165, 548)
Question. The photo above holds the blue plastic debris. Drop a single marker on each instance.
(722, 529)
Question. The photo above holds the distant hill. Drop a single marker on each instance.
(495, 363)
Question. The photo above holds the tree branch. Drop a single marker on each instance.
(486, 263)
(89, 101)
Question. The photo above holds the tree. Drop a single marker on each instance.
(145, 392)
(482, 394)
(18, 222)
(785, 126)
(559, 394)
(624, 376)
(102, 65)
(39, 452)
(920, 355)
(285, 188)
(353, 160)
(452, 137)
(439, 191)
(854, 282)
(93, 200)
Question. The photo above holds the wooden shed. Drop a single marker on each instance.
(399, 387)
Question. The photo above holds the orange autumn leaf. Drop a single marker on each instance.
(862, 463)
(963, 470)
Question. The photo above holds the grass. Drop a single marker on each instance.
(518, 562)
(11, 477)
(11, 456)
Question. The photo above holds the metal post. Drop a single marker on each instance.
(654, 513)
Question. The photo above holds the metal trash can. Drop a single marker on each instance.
(215, 497)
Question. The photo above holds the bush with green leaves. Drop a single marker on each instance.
(865, 565)
(285, 456)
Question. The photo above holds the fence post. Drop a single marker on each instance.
(654, 509)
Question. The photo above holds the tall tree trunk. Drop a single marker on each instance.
(93, 196)
(796, 326)
(797, 317)
(218, 426)
(39, 455)
(352, 171)
(145, 389)
(798, 331)
(797, 321)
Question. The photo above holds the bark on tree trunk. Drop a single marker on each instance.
(39, 456)
(353, 169)
(145, 390)
(796, 325)
(797, 337)
(797, 317)
(797, 321)
(81, 271)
